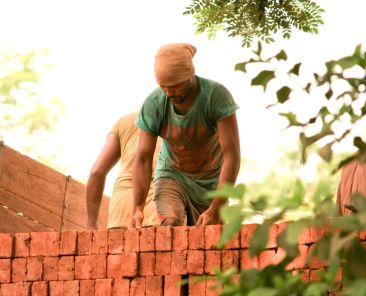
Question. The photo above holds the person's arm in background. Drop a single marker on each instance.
(228, 135)
(107, 158)
(142, 175)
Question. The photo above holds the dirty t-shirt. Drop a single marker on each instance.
(190, 149)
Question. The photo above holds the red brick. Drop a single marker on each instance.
(87, 287)
(19, 270)
(196, 237)
(362, 235)
(272, 236)
(248, 262)
(22, 244)
(179, 262)
(233, 243)
(5, 270)
(6, 245)
(304, 274)
(115, 241)
(172, 286)
(85, 242)
(315, 275)
(314, 262)
(40, 288)
(71, 288)
(300, 261)
(316, 233)
(45, 244)
(246, 233)
(56, 288)
(162, 263)
(195, 262)
(121, 287)
(137, 286)
(132, 240)
(147, 239)
(7, 290)
(180, 238)
(68, 244)
(195, 287)
(154, 286)
(213, 287)
(50, 268)
(212, 261)
(22, 288)
(163, 241)
(230, 259)
(34, 268)
(66, 268)
(147, 263)
(124, 265)
(100, 242)
(103, 287)
(267, 257)
(212, 236)
(90, 267)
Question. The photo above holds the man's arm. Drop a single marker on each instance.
(228, 135)
(107, 158)
(142, 175)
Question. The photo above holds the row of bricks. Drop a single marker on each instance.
(133, 264)
(140, 286)
(169, 285)
(163, 238)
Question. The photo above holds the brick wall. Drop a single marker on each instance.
(146, 261)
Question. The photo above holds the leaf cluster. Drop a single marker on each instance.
(348, 71)
(249, 19)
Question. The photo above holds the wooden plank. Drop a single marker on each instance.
(20, 205)
(11, 222)
(75, 214)
(32, 181)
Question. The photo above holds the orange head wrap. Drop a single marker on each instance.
(173, 63)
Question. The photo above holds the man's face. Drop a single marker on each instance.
(178, 93)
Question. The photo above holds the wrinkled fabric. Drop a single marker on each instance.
(121, 202)
(353, 180)
(173, 63)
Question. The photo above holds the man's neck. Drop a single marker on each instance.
(184, 107)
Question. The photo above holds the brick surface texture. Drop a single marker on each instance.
(146, 261)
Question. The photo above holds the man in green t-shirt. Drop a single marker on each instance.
(200, 151)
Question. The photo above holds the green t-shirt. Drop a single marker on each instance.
(190, 149)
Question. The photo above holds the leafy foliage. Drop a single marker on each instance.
(257, 18)
(342, 108)
(25, 112)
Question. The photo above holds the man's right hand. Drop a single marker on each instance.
(137, 218)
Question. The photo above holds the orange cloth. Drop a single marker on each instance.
(353, 180)
(173, 63)
(121, 202)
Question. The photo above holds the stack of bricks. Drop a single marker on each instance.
(145, 261)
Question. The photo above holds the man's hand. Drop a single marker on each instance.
(209, 217)
(136, 220)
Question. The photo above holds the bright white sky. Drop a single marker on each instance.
(102, 54)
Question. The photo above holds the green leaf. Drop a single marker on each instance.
(291, 117)
(227, 191)
(348, 62)
(263, 78)
(329, 93)
(295, 69)
(260, 204)
(233, 218)
(316, 289)
(263, 291)
(337, 243)
(326, 152)
(359, 201)
(259, 240)
(283, 94)
(281, 55)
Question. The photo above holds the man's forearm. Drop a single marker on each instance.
(94, 192)
(141, 184)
